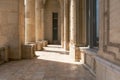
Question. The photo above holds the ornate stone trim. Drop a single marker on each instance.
(109, 65)
(106, 35)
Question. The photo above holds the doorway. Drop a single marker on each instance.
(55, 27)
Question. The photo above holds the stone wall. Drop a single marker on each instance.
(90, 61)
(9, 27)
(50, 7)
(105, 63)
(108, 62)
(107, 70)
(109, 30)
(88, 58)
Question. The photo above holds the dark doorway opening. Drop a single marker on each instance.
(55, 27)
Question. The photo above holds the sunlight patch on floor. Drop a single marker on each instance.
(55, 53)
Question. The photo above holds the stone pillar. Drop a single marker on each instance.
(30, 45)
(66, 25)
(74, 30)
(30, 21)
(42, 23)
(62, 25)
(37, 20)
(45, 42)
(22, 24)
(38, 27)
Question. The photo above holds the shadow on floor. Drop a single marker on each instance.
(54, 46)
(50, 64)
(58, 52)
(38, 69)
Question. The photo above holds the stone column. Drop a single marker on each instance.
(45, 42)
(42, 22)
(22, 25)
(37, 20)
(74, 30)
(30, 45)
(30, 21)
(66, 24)
(62, 24)
(38, 27)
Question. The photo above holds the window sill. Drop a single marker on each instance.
(90, 51)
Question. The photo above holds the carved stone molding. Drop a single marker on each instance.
(107, 44)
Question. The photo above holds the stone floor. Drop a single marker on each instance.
(51, 64)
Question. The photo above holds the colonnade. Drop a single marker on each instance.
(74, 27)
(34, 30)
(70, 24)
(71, 30)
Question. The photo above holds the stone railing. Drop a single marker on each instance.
(3, 54)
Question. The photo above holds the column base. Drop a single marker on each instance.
(45, 43)
(62, 44)
(4, 54)
(75, 53)
(66, 46)
(29, 51)
(39, 45)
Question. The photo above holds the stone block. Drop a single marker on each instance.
(29, 51)
(39, 46)
(45, 43)
(4, 54)
(75, 53)
(101, 72)
(107, 70)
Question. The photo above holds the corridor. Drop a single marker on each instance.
(51, 64)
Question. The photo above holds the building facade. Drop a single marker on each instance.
(88, 29)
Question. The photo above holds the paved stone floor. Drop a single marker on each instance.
(51, 64)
